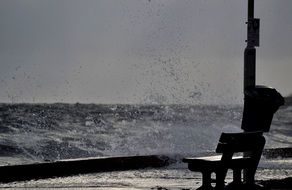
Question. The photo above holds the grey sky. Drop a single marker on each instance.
(138, 51)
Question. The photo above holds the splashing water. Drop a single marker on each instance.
(38, 132)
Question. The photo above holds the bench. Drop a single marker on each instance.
(250, 143)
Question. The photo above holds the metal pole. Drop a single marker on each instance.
(249, 64)
(250, 52)
(250, 9)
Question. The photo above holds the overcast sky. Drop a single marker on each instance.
(138, 51)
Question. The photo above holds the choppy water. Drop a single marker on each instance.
(39, 132)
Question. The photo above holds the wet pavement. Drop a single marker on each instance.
(152, 179)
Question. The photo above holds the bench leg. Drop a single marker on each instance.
(220, 177)
(237, 176)
(206, 181)
(236, 184)
(249, 176)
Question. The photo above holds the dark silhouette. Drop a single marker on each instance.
(260, 105)
(228, 145)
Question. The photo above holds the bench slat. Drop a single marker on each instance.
(212, 163)
(240, 142)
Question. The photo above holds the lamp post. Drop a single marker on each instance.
(250, 51)
(253, 26)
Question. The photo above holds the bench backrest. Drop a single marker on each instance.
(249, 143)
(230, 143)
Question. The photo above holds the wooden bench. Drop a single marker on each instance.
(230, 144)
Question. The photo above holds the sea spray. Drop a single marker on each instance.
(48, 132)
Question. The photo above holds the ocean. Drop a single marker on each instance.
(31, 133)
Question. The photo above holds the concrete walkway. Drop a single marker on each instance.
(151, 179)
